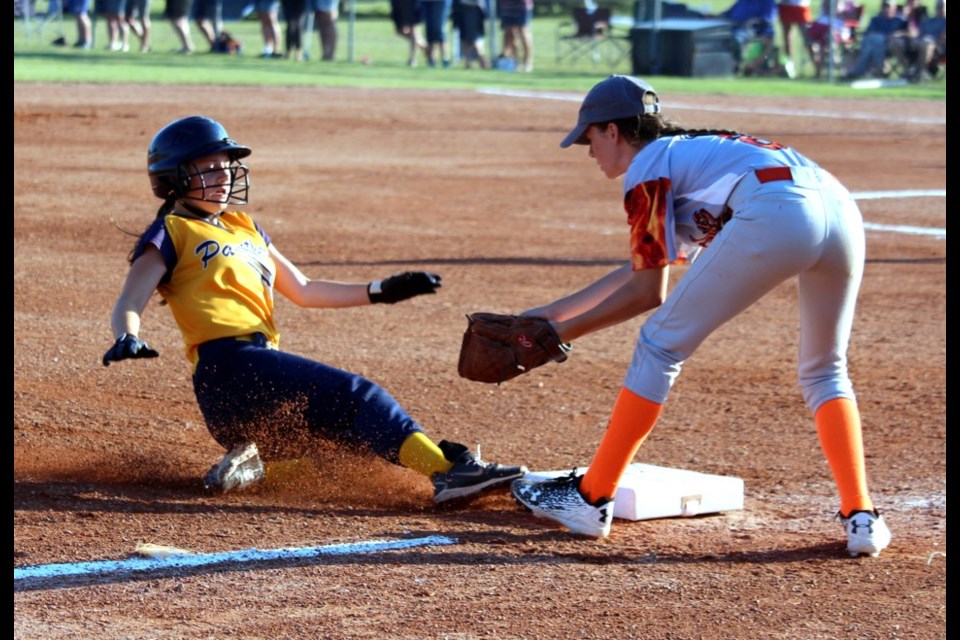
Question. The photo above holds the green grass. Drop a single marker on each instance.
(36, 60)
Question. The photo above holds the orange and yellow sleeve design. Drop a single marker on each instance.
(646, 206)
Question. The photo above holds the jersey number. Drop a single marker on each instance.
(757, 142)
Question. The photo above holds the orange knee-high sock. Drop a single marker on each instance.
(632, 419)
(838, 425)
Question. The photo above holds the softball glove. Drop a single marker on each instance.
(498, 347)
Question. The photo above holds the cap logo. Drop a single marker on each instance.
(651, 104)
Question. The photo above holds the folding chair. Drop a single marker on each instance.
(38, 14)
(846, 40)
(590, 35)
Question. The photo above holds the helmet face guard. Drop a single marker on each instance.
(171, 161)
(239, 183)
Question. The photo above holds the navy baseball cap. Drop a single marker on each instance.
(616, 97)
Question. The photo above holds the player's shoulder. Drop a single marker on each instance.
(237, 219)
(235, 215)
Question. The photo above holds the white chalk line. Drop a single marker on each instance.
(933, 232)
(139, 565)
(908, 193)
(940, 233)
(894, 116)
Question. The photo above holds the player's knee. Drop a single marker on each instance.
(817, 392)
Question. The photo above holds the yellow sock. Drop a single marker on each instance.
(841, 438)
(419, 453)
(632, 419)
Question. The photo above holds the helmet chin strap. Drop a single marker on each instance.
(197, 211)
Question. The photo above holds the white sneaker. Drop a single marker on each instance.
(240, 468)
(867, 533)
(560, 499)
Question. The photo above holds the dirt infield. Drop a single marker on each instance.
(356, 185)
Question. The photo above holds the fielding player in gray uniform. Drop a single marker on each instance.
(746, 214)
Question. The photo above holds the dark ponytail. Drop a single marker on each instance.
(639, 130)
(165, 208)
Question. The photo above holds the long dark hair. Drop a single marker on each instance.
(165, 208)
(641, 129)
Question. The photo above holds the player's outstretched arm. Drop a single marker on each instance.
(643, 290)
(306, 292)
(142, 280)
(581, 301)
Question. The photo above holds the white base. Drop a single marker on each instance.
(878, 83)
(647, 491)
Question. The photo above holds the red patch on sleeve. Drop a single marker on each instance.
(646, 206)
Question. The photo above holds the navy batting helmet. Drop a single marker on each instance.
(175, 147)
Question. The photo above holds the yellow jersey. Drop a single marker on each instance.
(219, 279)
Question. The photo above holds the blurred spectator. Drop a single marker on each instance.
(469, 18)
(176, 12)
(207, 14)
(849, 11)
(915, 16)
(793, 13)
(406, 17)
(295, 19)
(267, 12)
(118, 32)
(907, 9)
(81, 12)
(516, 18)
(818, 33)
(929, 44)
(325, 13)
(885, 36)
(435, 16)
(761, 57)
(752, 20)
(138, 21)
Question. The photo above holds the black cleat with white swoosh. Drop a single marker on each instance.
(469, 475)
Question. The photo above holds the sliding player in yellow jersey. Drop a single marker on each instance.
(218, 270)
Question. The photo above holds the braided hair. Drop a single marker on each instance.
(641, 129)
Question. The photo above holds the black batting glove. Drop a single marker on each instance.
(128, 346)
(403, 286)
